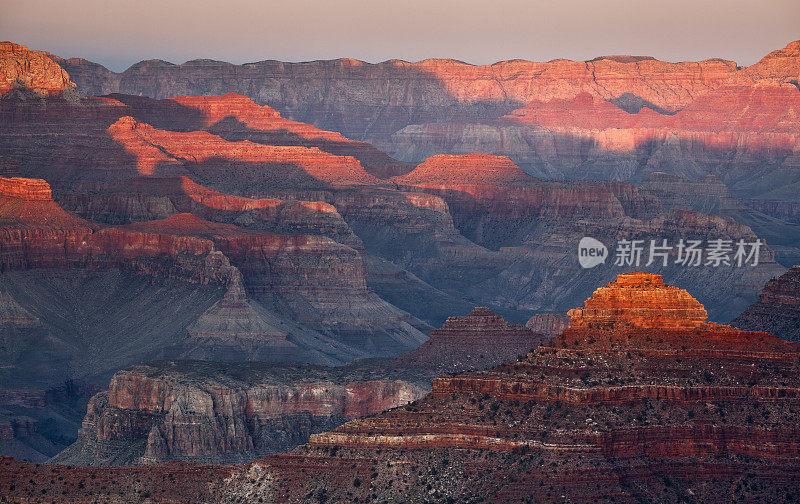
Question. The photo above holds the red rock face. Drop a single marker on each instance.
(236, 118)
(781, 65)
(30, 70)
(38, 233)
(642, 300)
(616, 117)
(160, 151)
(433, 81)
(468, 170)
(478, 183)
(25, 189)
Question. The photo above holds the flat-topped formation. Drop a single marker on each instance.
(478, 340)
(466, 169)
(641, 300)
(481, 323)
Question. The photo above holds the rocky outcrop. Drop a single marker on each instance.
(146, 198)
(549, 323)
(165, 153)
(25, 189)
(236, 117)
(38, 233)
(32, 71)
(224, 413)
(642, 300)
(777, 310)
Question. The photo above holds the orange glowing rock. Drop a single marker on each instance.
(641, 300)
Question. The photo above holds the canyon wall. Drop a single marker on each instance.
(203, 412)
(608, 118)
(236, 412)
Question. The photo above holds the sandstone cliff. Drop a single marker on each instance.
(223, 413)
(32, 71)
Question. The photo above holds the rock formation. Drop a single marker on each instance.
(240, 411)
(32, 71)
(477, 340)
(549, 323)
(676, 410)
(221, 227)
(491, 234)
(614, 117)
(617, 413)
(777, 310)
(283, 301)
(641, 300)
(235, 118)
(223, 413)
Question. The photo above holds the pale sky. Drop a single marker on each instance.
(118, 33)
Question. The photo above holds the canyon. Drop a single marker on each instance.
(617, 408)
(235, 412)
(210, 263)
(613, 117)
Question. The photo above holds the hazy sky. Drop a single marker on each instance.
(118, 33)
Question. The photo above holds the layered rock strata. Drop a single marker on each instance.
(642, 300)
(203, 412)
(614, 117)
(777, 310)
(23, 69)
(631, 411)
(237, 412)
(477, 340)
(550, 323)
